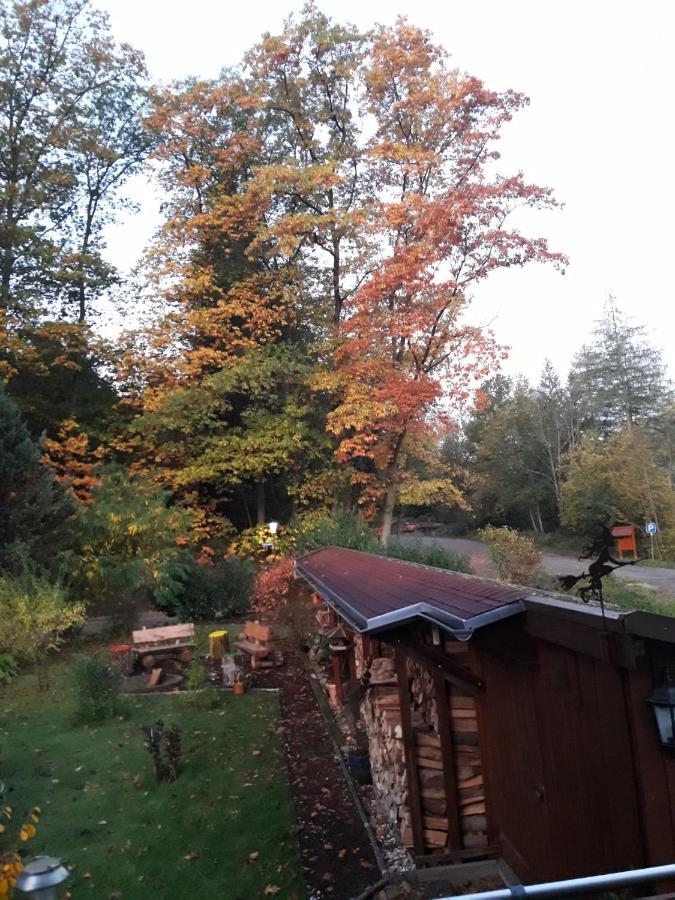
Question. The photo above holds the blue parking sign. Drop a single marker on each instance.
(650, 527)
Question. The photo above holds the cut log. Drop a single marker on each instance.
(424, 762)
(470, 782)
(473, 809)
(474, 823)
(427, 739)
(433, 805)
(155, 675)
(464, 726)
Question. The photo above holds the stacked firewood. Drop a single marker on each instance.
(382, 718)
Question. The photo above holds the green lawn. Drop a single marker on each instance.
(224, 829)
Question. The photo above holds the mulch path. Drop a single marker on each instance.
(337, 857)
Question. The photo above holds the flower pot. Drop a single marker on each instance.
(238, 688)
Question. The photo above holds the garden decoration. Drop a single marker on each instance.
(171, 738)
(598, 548)
(239, 684)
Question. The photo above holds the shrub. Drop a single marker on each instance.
(272, 585)
(131, 547)
(427, 555)
(36, 617)
(97, 690)
(340, 529)
(216, 590)
(516, 557)
(201, 694)
(8, 666)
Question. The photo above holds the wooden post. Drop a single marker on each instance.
(449, 776)
(410, 752)
(336, 666)
(351, 661)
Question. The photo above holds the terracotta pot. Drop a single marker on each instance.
(238, 688)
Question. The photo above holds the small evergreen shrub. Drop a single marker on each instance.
(97, 690)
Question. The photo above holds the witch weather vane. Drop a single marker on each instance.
(598, 548)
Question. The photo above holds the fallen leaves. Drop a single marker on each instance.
(271, 890)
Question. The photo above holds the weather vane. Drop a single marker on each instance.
(599, 549)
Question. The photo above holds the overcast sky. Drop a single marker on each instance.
(599, 130)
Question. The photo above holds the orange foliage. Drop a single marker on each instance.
(71, 459)
(272, 585)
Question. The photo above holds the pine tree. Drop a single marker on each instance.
(619, 378)
(32, 507)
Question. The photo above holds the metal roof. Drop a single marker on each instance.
(375, 593)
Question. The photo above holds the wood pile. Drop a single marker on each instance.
(382, 718)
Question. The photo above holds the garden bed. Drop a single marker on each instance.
(225, 828)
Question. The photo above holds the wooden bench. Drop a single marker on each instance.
(167, 637)
(255, 640)
(149, 644)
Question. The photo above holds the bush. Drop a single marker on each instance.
(97, 690)
(272, 585)
(216, 590)
(426, 555)
(131, 547)
(340, 529)
(516, 557)
(36, 618)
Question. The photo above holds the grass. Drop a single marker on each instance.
(127, 836)
(634, 595)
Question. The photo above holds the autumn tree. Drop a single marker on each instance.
(72, 460)
(441, 225)
(338, 193)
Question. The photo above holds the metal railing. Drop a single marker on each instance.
(577, 885)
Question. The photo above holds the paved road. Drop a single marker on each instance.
(553, 563)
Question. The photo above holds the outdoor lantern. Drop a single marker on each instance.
(273, 527)
(41, 876)
(662, 699)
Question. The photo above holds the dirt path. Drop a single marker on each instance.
(337, 858)
(554, 564)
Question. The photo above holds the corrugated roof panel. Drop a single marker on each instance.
(379, 592)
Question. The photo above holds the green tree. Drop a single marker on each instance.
(619, 379)
(512, 464)
(131, 547)
(616, 479)
(71, 134)
(34, 510)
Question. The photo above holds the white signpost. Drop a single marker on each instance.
(651, 529)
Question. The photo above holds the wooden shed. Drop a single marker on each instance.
(506, 722)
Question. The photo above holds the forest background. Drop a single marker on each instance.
(300, 343)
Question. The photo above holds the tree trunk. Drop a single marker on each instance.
(532, 519)
(388, 511)
(260, 503)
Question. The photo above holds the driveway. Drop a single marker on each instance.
(553, 563)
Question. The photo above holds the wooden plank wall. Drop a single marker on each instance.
(561, 785)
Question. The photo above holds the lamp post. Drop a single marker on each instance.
(662, 700)
(41, 876)
(272, 528)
